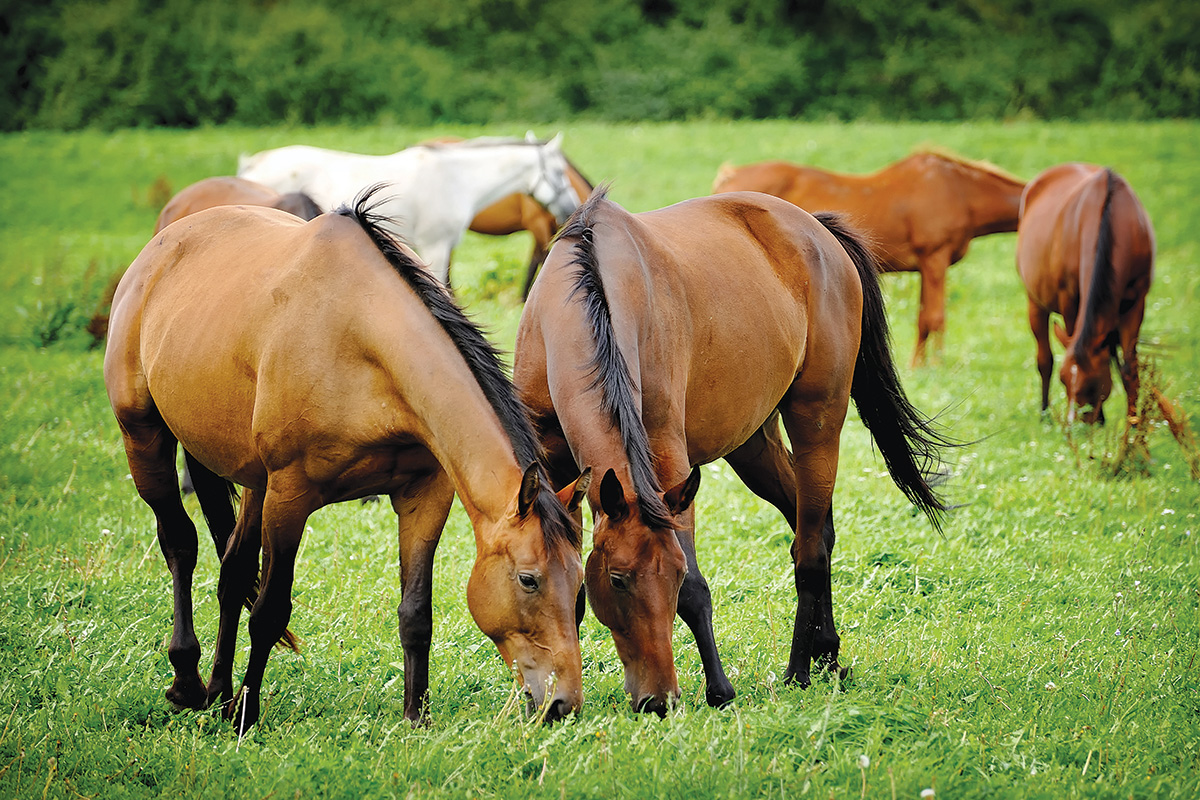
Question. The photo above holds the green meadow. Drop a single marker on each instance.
(1045, 645)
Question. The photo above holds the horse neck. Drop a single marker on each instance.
(994, 201)
(489, 173)
(467, 438)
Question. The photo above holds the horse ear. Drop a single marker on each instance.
(1060, 333)
(530, 484)
(681, 496)
(530, 137)
(572, 495)
(612, 496)
(556, 142)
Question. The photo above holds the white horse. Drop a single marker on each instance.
(435, 189)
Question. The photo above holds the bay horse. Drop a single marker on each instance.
(653, 343)
(1085, 251)
(436, 189)
(920, 213)
(317, 362)
(221, 190)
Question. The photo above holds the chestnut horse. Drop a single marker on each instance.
(219, 191)
(920, 213)
(318, 362)
(653, 343)
(1085, 251)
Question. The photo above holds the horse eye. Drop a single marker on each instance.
(618, 581)
(528, 582)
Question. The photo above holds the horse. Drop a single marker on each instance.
(1085, 251)
(217, 191)
(438, 188)
(653, 343)
(520, 212)
(920, 212)
(312, 363)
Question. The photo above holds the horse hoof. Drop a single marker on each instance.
(720, 696)
(187, 694)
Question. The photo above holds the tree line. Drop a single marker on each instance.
(69, 64)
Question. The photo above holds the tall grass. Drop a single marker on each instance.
(1045, 646)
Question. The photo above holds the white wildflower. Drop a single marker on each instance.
(864, 761)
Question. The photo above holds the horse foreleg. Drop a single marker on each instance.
(239, 568)
(931, 318)
(422, 510)
(695, 609)
(150, 448)
(543, 230)
(1129, 327)
(286, 507)
(1039, 323)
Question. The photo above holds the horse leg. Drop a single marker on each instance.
(814, 427)
(422, 509)
(286, 507)
(542, 232)
(765, 465)
(1039, 323)
(931, 318)
(216, 497)
(1129, 326)
(150, 448)
(239, 568)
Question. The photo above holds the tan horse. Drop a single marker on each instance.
(208, 193)
(1085, 251)
(656, 342)
(920, 213)
(318, 362)
(520, 212)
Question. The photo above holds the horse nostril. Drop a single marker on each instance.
(650, 704)
(557, 710)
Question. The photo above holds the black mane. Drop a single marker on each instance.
(1101, 290)
(610, 371)
(481, 357)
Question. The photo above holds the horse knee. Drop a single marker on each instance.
(416, 624)
(695, 598)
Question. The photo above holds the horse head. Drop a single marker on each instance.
(523, 590)
(1086, 375)
(633, 577)
(552, 187)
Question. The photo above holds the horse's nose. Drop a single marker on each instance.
(558, 709)
(650, 704)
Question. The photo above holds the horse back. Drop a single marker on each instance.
(210, 192)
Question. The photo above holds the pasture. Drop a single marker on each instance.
(1044, 646)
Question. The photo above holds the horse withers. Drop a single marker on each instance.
(317, 362)
(653, 343)
(1085, 251)
(434, 190)
(920, 213)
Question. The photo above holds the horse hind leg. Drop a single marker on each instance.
(239, 571)
(150, 449)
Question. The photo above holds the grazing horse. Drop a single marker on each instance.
(435, 190)
(1085, 251)
(920, 213)
(318, 362)
(207, 193)
(653, 343)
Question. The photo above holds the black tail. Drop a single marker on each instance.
(907, 439)
(217, 497)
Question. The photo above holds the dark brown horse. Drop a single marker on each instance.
(208, 193)
(920, 213)
(318, 362)
(1085, 251)
(653, 343)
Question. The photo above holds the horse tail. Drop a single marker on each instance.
(724, 173)
(217, 497)
(1100, 288)
(908, 440)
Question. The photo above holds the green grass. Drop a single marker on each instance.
(1045, 646)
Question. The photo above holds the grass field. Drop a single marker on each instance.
(1045, 646)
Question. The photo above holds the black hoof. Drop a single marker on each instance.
(188, 693)
(719, 696)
